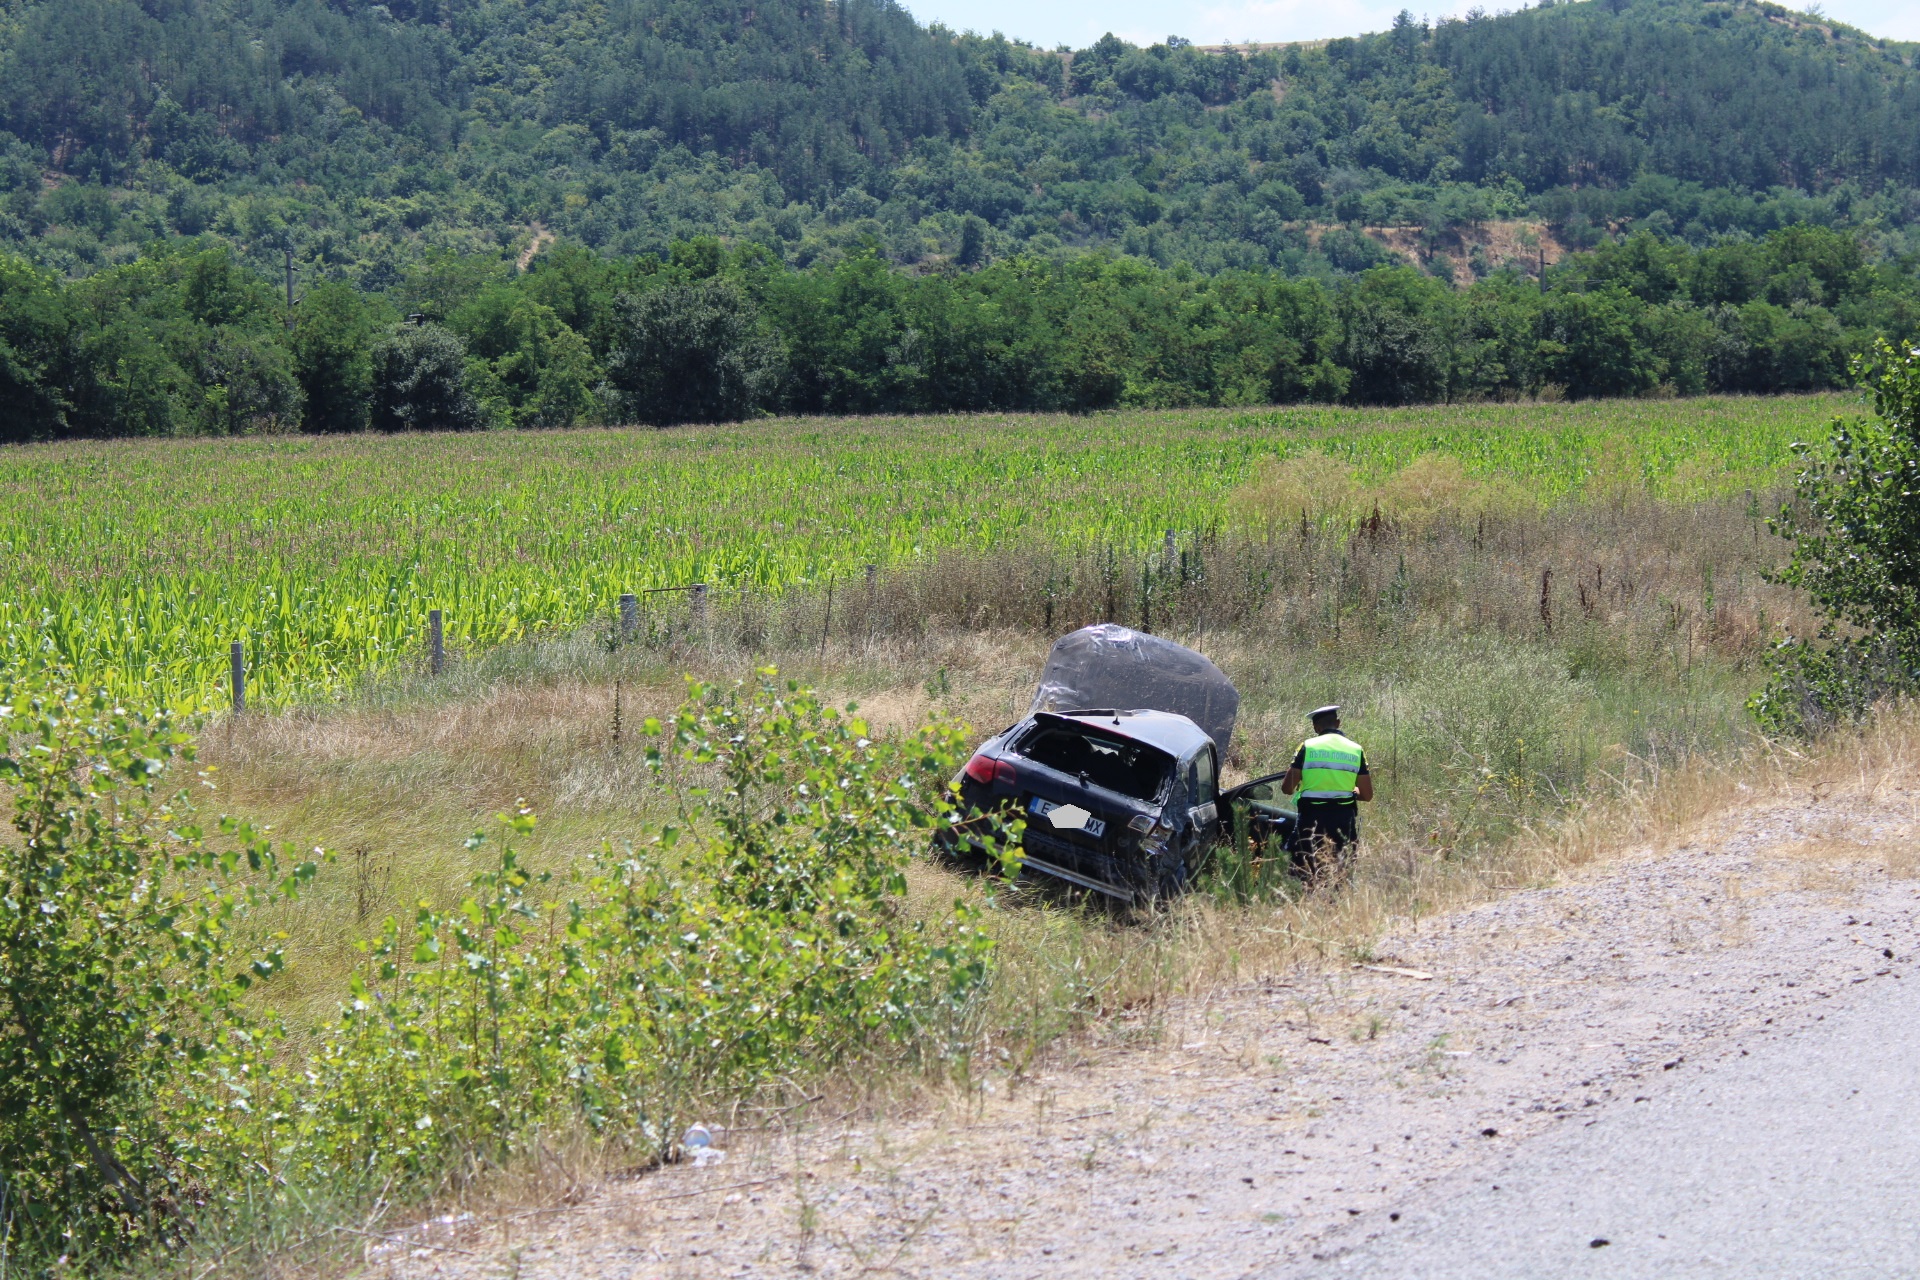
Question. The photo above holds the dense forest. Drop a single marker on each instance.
(364, 136)
(328, 216)
(191, 341)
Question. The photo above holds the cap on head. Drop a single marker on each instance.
(1325, 713)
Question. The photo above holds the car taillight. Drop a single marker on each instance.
(984, 769)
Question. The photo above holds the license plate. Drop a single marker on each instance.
(1041, 808)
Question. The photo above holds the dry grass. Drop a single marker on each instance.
(1443, 553)
(1489, 724)
(1131, 975)
(1393, 881)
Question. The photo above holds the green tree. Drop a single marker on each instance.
(125, 381)
(334, 332)
(1394, 339)
(34, 327)
(527, 368)
(693, 353)
(973, 241)
(247, 383)
(420, 382)
(1593, 347)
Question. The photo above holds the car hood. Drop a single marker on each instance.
(1108, 665)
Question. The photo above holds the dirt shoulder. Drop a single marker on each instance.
(1276, 1122)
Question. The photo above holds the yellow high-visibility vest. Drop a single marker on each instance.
(1330, 768)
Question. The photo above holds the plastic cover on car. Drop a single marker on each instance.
(1108, 666)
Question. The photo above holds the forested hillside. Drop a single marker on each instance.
(284, 214)
(363, 135)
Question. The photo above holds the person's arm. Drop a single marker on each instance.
(1363, 785)
(1290, 783)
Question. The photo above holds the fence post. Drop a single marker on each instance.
(873, 598)
(237, 658)
(827, 625)
(700, 604)
(1170, 549)
(436, 643)
(629, 615)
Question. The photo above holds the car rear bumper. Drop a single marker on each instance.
(1029, 862)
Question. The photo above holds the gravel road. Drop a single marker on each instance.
(1798, 1159)
(1586, 1036)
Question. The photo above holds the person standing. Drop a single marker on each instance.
(1330, 773)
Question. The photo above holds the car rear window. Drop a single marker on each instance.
(1118, 764)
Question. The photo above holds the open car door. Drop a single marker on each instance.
(1270, 817)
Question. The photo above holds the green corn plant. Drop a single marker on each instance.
(136, 565)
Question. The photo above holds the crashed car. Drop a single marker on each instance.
(1116, 768)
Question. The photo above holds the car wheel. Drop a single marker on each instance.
(1170, 878)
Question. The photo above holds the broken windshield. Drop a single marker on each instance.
(1117, 764)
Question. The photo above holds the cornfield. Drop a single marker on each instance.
(137, 564)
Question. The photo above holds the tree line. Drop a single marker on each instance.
(188, 340)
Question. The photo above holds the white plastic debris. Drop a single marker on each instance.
(699, 1146)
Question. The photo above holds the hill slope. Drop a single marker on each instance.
(369, 133)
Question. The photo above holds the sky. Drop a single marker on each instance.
(1078, 23)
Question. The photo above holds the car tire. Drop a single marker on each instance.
(1170, 878)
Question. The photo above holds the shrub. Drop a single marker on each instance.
(119, 973)
(759, 938)
(1856, 553)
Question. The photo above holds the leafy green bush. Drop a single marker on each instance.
(760, 938)
(1857, 555)
(119, 973)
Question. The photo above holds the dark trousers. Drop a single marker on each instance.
(1325, 833)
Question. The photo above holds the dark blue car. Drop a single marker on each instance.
(1123, 800)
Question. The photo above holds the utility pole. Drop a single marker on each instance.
(291, 300)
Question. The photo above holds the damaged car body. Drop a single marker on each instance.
(1116, 767)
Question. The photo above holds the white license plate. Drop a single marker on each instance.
(1041, 808)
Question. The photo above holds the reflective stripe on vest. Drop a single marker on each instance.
(1331, 768)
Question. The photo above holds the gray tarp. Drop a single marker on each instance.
(1110, 667)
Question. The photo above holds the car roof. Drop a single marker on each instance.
(1174, 734)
